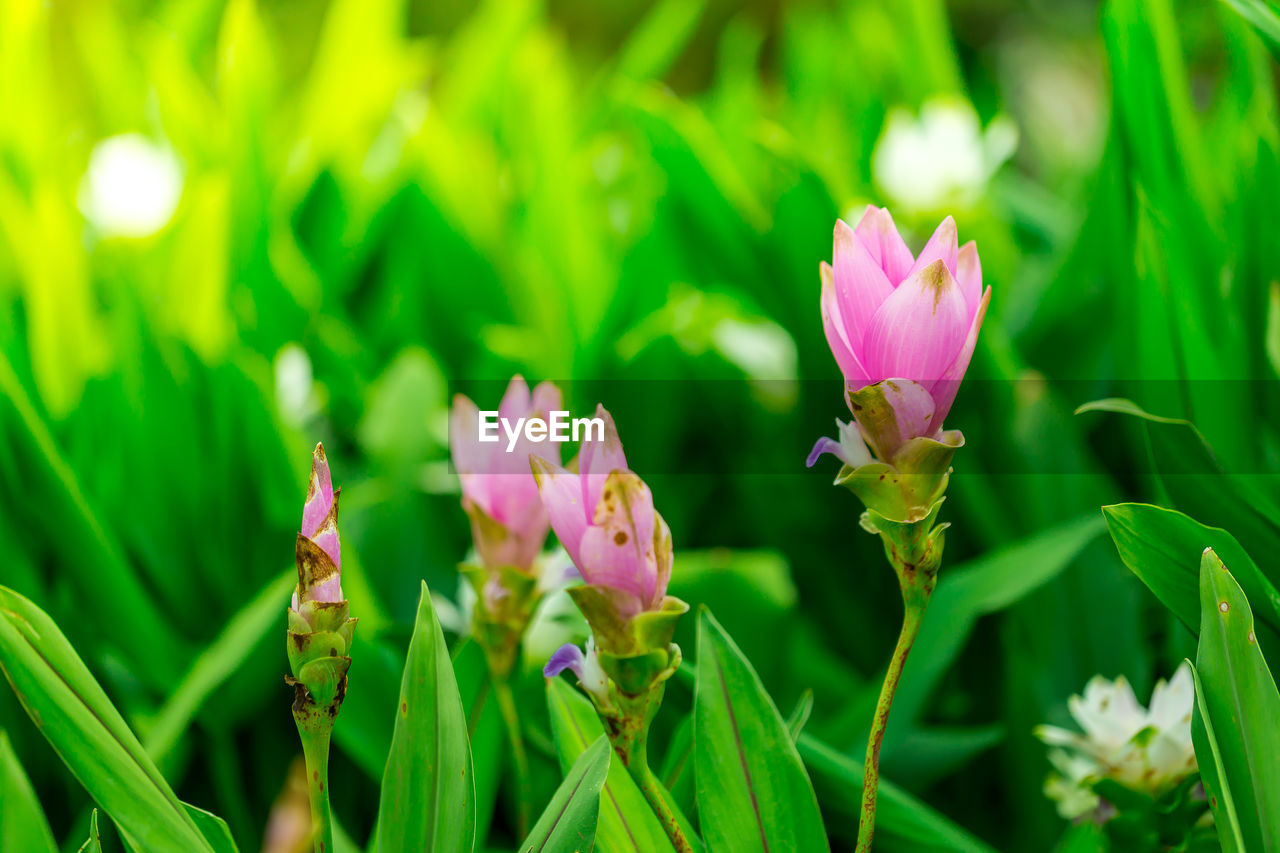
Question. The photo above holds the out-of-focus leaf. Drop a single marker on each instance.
(657, 42)
(800, 714)
(753, 792)
(1162, 548)
(903, 823)
(22, 822)
(965, 593)
(217, 663)
(428, 790)
(1264, 16)
(1240, 703)
(627, 823)
(569, 820)
(87, 548)
(87, 732)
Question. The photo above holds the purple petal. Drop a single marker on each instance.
(880, 235)
(567, 657)
(821, 446)
(918, 331)
(945, 389)
(944, 245)
(861, 286)
(969, 276)
(598, 459)
(561, 495)
(833, 325)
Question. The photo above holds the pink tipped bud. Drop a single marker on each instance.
(318, 551)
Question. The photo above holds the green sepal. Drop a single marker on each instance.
(634, 674)
(324, 680)
(879, 422)
(907, 489)
(914, 545)
(304, 647)
(324, 615)
(620, 635)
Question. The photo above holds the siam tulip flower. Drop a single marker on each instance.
(1144, 749)
(604, 517)
(911, 320)
(585, 666)
(508, 522)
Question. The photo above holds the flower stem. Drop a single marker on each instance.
(524, 787)
(653, 792)
(917, 586)
(315, 748)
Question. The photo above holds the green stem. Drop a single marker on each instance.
(524, 783)
(916, 589)
(638, 767)
(315, 748)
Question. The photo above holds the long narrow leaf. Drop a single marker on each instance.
(22, 822)
(569, 820)
(87, 732)
(428, 789)
(753, 792)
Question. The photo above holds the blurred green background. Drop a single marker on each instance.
(231, 229)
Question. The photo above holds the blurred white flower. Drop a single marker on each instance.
(296, 399)
(941, 159)
(132, 186)
(1146, 750)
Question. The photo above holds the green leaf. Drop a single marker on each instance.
(753, 792)
(428, 789)
(1214, 775)
(1264, 16)
(94, 843)
(88, 733)
(627, 823)
(22, 821)
(217, 663)
(1240, 702)
(213, 828)
(1162, 548)
(902, 822)
(569, 820)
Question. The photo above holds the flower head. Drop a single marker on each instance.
(319, 552)
(604, 517)
(508, 522)
(889, 315)
(1143, 749)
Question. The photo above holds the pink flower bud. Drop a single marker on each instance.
(888, 315)
(604, 517)
(508, 522)
(319, 553)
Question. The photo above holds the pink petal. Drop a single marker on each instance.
(617, 549)
(861, 286)
(515, 402)
(969, 276)
(597, 459)
(918, 331)
(880, 235)
(561, 495)
(546, 399)
(470, 457)
(945, 389)
(833, 325)
(943, 245)
(319, 493)
(663, 557)
(913, 409)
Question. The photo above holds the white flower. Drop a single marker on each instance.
(1146, 750)
(941, 159)
(132, 186)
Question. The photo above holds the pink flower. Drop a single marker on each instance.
(604, 517)
(888, 315)
(319, 553)
(508, 522)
